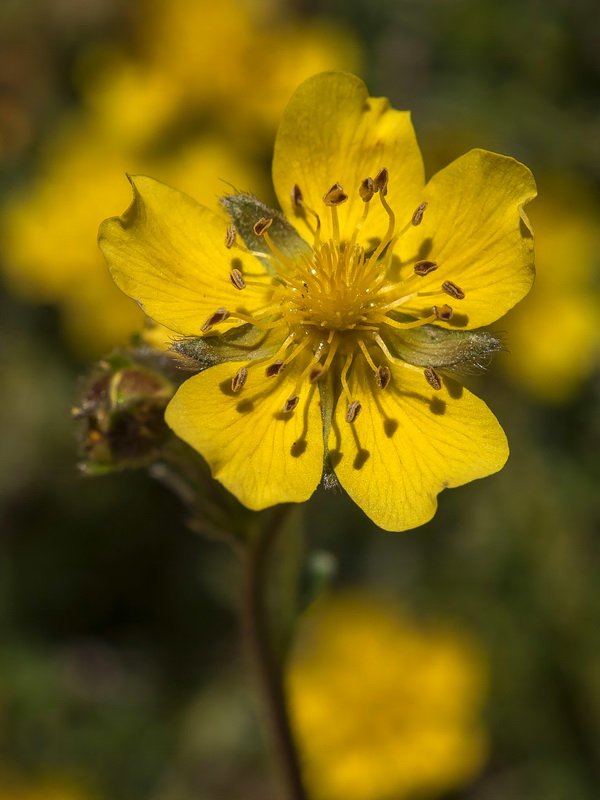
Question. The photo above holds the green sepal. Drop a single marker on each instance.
(244, 343)
(432, 346)
(245, 210)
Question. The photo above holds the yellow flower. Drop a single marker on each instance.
(554, 339)
(50, 255)
(384, 709)
(331, 330)
(135, 107)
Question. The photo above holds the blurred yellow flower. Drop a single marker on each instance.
(162, 108)
(384, 708)
(263, 52)
(554, 340)
(50, 788)
(49, 229)
(332, 352)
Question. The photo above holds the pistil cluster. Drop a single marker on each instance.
(336, 303)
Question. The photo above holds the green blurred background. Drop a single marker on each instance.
(120, 672)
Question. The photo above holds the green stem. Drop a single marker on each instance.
(255, 629)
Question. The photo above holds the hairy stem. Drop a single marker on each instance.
(255, 629)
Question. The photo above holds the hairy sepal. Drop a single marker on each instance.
(432, 346)
(245, 210)
(244, 343)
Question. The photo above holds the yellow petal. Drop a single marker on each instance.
(409, 442)
(475, 229)
(168, 253)
(257, 452)
(333, 132)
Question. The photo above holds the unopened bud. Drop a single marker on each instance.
(122, 409)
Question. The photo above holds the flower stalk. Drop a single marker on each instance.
(261, 654)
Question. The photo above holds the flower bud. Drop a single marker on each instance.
(122, 408)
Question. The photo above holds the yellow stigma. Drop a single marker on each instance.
(336, 302)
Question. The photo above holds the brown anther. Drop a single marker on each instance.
(230, 235)
(291, 403)
(354, 409)
(381, 181)
(274, 369)
(383, 376)
(315, 374)
(425, 267)
(239, 379)
(367, 189)
(453, 290)
(418, 215)
(297, 196)
(237, 279)
(262, 225)
(443, 312)
(433, 379)
(335, 196)
(220, 315)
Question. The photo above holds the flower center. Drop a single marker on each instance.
(336, 302)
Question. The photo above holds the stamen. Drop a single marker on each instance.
(219, 316)
(418, 215)
(335, 196)
(367, 356)
(299, 204)
(290, 404)
(444, 312)
(425, 267)
(239, 379)
(381, 181)
(262, 225)
(367, 189)
(237, 279)
(297, 196)
(433, 379)
(353, 411)
(230, 235)
(344, 378)
(383, 376)
(406, 326)
(333, 346)
(453, 290)
(315, 374)
(258, 323)
(274, 369)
